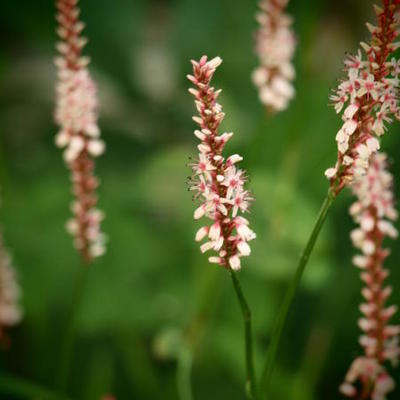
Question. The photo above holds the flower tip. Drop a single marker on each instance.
(215, 62)
(378, 10)
(199, 212)
(201, 233)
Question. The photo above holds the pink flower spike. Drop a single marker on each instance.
(373, 211)
(275, 47)
(10, 293)
(79, 134)
(218, 184)
(368, 95)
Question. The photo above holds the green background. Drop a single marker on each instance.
(154, 298)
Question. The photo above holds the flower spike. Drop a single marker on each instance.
(10, 292)
(275, 47)
(367, 97)
(373, 212)
(79, 134)
(216, 181)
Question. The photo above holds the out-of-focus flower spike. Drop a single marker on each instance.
(373, 212)
(76, 115)
(10, 293)
(275, 47)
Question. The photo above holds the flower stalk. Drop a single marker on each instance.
(246, 313)
(79, 136)
(219, 185)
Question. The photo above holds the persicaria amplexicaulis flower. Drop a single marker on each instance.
(275, 47)
(374, 212)
(217, 181)
(76, 114)
(367, 96)
(10, 310)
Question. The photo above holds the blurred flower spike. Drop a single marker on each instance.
(367, 97)
(275, 47)
(79, 134)
(216, 181)
(10, 310)
(373, 212)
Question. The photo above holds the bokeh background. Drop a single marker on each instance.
(153, 300)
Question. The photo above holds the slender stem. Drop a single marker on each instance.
(183, 374)
(67, 344)
(13, 386)
(194, 331)
(250, 376)
(290, 293)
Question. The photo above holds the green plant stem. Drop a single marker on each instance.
(290, 293)
(12, 386)
(183, 374)
(250, 376)
(67, 344)
(209, 282)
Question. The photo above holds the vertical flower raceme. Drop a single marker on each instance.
(10, 311)
(368, 96)
(216, 181)
(275, 46)
(373, 211)
(79, 134)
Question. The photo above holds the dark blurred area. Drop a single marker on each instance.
(153, 298)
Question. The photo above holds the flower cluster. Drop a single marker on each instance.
(373, 212)
(76, 114)
(275, 46)
(368, 371)
(217, 181)
(368, 96)
(10, 311)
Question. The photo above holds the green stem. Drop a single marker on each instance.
(290, 293)
(67, 344)
(250, 376)
(193, 333)
(183, 374)
(12, 386)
